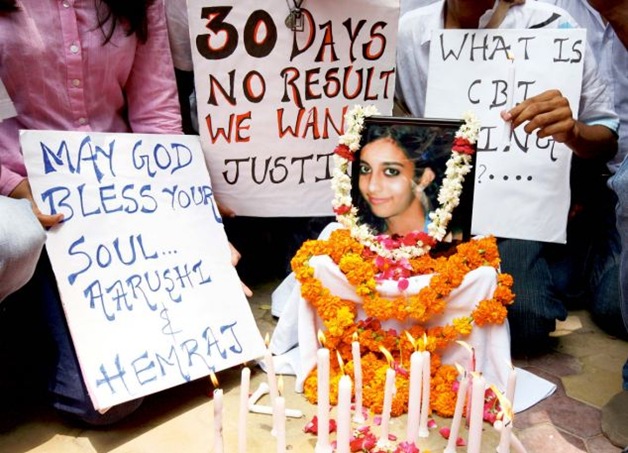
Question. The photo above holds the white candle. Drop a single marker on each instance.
(245, 380)
(280, 411)
(268, 410)
(322, 360)
(477, 413)
(510, 387)
(343, 438)
(504, 437)
(272, 382)
(272, 378)
(425, 397)
(389, 393)
(471, 369)
(357, 378)
(262, 390)
(515, 443)
(455, 423)
(218, 443)
(506, 134)
(414, 399)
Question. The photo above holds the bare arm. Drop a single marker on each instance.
(550, 115)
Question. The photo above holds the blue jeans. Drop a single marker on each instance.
(548, 278)
(67, 389)
(535, 310)
(619, 184)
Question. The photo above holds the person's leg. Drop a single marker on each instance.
(67, 389)
(533, 314)
(603, 264)
(615, 412)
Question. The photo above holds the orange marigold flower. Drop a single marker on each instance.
(489, 312)
(505, 279)
(503, 295)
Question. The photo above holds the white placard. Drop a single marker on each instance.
(141, 261)
(521, 191)
(271, 101)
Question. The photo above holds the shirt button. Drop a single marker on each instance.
(82, 120)
(76, 82)
(74, 48)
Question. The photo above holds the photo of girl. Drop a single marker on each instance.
(398, 172)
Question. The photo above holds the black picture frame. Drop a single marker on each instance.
(442, 133)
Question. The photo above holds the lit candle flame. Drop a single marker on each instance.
(214, 379)
(471, 350)
(267, 339)
(465, 345)
(424, 348)
(461, 370)
(412, 340)
(504, 403)
(354, 337)
(321, 338)
(510, 56)
(388, 355)
(341, 364)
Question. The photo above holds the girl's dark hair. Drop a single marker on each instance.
(424, 146)
(130, 14)
(7, 6)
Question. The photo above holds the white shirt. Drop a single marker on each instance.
(612, 60)
(179, 33)
(413, 50)
(409, 5)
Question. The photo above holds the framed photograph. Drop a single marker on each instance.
(398, 172)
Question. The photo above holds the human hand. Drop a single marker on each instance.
(500, 12)
(235, 258)
(547, 113)
(23, 191)
(225, 211)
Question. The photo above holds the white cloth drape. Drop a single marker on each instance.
(294, 341)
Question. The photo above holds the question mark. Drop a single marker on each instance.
(483, 167)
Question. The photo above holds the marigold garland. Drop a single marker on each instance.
(360, 267)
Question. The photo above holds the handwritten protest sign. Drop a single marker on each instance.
(522, 182)
(271, 100)
(141, 261)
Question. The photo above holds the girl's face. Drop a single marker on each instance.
(385, 181)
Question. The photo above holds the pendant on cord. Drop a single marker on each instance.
(295, 21)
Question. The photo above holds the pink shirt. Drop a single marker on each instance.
(61, 77)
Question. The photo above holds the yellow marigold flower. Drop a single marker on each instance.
(463, 325)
